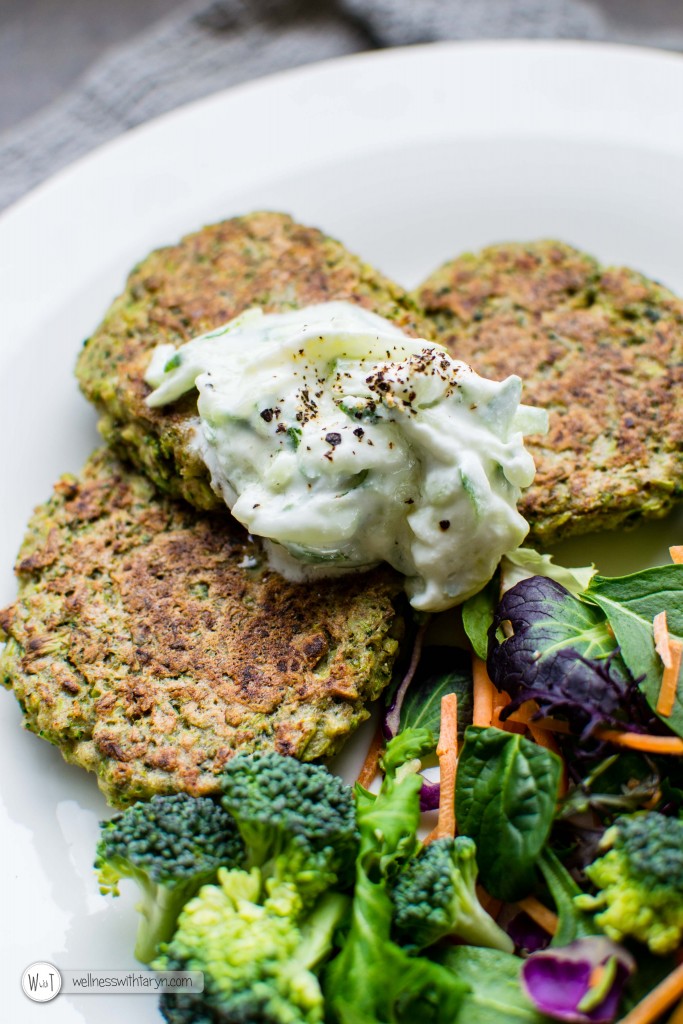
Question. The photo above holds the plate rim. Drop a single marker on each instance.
(81, 187)
(314, 68)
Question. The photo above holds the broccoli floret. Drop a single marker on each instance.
(170, 846)
(640, 879)
(297, 820)
(435, 897)
(257, 946)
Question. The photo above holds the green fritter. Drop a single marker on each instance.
(601, 350)
(180, 292)
(150, 642)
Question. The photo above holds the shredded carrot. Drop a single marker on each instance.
(539, 913)
(500, 701)
(669, 687)
(368, 772)
(639, 741)
(447, 752)
(661, 633)
(482, 711)
(540, 733)
(525, 713)
(490, 904)
(676, 554)
(553, 725)
(544, 738)
(656, 1002)
(650, 804)
(677, 1016)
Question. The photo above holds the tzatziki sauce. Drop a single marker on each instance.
(344, 443)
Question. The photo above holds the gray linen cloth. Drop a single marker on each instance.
(206, 46)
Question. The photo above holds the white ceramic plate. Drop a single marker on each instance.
(409, 157)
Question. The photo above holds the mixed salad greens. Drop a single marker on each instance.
(551, 886)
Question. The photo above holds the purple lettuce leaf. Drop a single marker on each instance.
(547, 645)
(430, 794)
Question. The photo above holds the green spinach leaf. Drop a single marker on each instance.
(495, 995)
(477, 615)
(506, 793)
(630, 603)
(442, 670)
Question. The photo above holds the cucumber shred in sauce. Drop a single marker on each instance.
(345, 443)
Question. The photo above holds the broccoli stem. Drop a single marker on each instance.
(159, 910)
(474, 925)
(317, 932)
(572, 923)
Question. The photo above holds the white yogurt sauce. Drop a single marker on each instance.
(345, 443)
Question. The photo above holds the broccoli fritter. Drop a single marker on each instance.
(640, 881)
(601, 350)
(182, 291)
(170, 847)
(151, 642)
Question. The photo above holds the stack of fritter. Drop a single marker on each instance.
(149, 640)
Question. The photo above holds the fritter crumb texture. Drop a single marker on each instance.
(150, 642)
